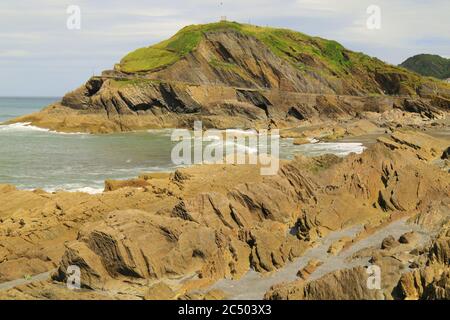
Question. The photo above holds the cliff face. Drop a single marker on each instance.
(248, 76)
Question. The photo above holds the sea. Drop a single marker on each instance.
(35, 158)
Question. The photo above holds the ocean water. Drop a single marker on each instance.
(33, 158)
(14, 107)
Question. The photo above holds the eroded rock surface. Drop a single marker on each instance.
(189, 230)
(234, 77)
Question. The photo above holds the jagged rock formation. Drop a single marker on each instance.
(406, 273)
(237, 75)
(431, 281)
(429, 278)
(347, 284)
(166, 235)
(187, 230)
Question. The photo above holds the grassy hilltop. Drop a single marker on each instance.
(428, 65)
(327, 58)
(240, 75)
(285, 43)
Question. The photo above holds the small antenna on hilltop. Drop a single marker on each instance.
(222, 18)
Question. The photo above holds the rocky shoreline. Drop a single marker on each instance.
(382, 110)
(182, 235)
(233, 75)
(171, 236)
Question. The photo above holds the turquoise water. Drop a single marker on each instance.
(32, 158)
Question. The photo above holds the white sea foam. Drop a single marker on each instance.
(239, 148)
(69, 133)
(245, 149)
(89, 190)
(338, 148)
(213, 138)
(20, 127)
(136, 170)
(312, 140)
(241, 132)
(27, 127)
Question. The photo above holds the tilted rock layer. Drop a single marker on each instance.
(237, 75)
(187, 229)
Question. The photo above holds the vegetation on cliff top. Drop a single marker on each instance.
(311, 55)
(428, 65)
(284, 43)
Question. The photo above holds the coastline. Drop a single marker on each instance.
(189, 203)
(61, 119)
(230, 161)
(305, 138)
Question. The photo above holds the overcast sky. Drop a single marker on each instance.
(39, 56)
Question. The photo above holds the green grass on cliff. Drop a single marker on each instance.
(284, 43)
(146, 59)
(168, 51)
(308, 54)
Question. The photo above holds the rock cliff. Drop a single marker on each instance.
(237, 75)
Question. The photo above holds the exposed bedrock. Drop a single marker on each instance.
(232, 78)
(186, 229)
(181, 230)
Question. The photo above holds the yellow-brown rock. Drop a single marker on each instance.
(187, 224)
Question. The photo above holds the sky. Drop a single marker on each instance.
(40, 56)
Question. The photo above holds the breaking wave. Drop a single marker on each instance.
(27, 127)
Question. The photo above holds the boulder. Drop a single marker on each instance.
(112, 185)
(388, 243)
(309, 269)
(337, 246)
